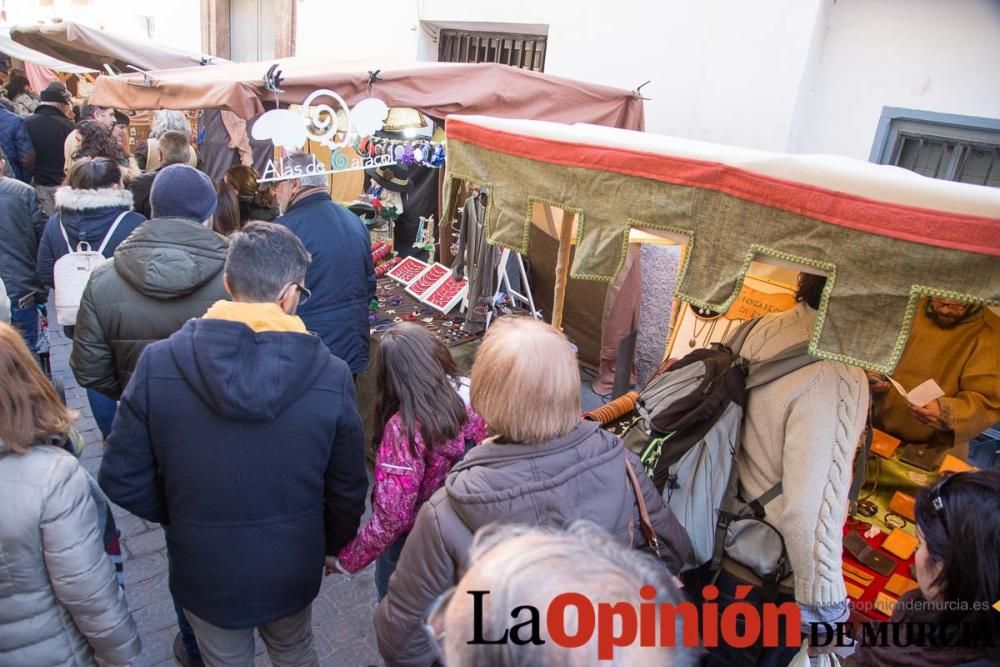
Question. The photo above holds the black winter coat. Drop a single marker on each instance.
(21, 225)
(48, 128)
(341, 276)
(249, 448)
(140, 188)
(168, 271)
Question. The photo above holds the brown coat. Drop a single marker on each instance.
(965, 361)
(579, 476)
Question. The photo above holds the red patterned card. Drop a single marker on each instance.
(407, 270)
(447, 294)
(427, 280)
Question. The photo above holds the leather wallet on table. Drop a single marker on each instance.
(952, 463)
(900, 544)
(884, 444)
(904, 505)
(900, 585)
(867, 555)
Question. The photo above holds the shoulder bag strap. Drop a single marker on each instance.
(645, 524)
(69, 246)
(790, 360)
(760, 503)
(738, 338)
(111, 232)
(861, 460)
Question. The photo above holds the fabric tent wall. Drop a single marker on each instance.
(92, 47)
(584, 299)
(436, 89)
(884, 236)
(26, 55)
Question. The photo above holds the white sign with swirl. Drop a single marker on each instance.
(339, 163)
(335, 126)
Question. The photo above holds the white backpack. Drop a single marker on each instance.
(72, 271)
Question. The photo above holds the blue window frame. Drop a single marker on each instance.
(946, 146)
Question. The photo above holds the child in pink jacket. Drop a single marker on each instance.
(424, 425)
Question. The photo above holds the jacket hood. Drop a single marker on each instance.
(70, 199)
(89, 213)
(168, 258)
(546, 482)
(246, 375)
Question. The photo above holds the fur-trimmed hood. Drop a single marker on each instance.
(86, 200)
(85, 215)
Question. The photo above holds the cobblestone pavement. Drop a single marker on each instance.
(342, 614)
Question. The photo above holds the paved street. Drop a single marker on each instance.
(342, 614)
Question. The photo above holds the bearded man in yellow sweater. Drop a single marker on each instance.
(958, 345)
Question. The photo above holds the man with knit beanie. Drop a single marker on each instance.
(168, 271)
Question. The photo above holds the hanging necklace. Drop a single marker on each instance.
(703, 317)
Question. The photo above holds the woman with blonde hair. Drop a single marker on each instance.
(542, 465)
(62, 602)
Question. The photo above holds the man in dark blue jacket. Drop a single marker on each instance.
(21, 225)
(15, 145)
(342, 275)
(240, 434)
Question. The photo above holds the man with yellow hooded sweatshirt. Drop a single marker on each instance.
(240, 434)
(957, 345)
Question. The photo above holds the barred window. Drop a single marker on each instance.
(472, 46)
(966, 154)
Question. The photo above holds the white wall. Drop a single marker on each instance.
(786, 75)
(922, 54)
(355, 30)
(721, 70)
(176, 23)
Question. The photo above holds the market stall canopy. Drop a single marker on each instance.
(883, 235)
(436, 89)
(91, 47)
(23, 53)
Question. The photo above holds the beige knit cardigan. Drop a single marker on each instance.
(803, 430)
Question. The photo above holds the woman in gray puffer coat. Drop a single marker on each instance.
(543, 465)
(61, 601)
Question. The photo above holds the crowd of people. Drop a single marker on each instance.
(220, 350)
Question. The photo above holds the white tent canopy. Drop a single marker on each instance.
(20, 52)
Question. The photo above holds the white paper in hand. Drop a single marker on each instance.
(921, 395)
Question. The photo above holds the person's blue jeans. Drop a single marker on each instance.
(187, 632)
(103, 409)
(25, 320)
(385, 565)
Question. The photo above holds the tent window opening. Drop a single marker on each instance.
(952, 153)
(516, 50)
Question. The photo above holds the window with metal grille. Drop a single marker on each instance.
(473, 46)
(953, 148)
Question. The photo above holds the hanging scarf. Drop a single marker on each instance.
(236, 128)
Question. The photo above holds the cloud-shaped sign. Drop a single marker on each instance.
(282, 127)
(368, 116)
